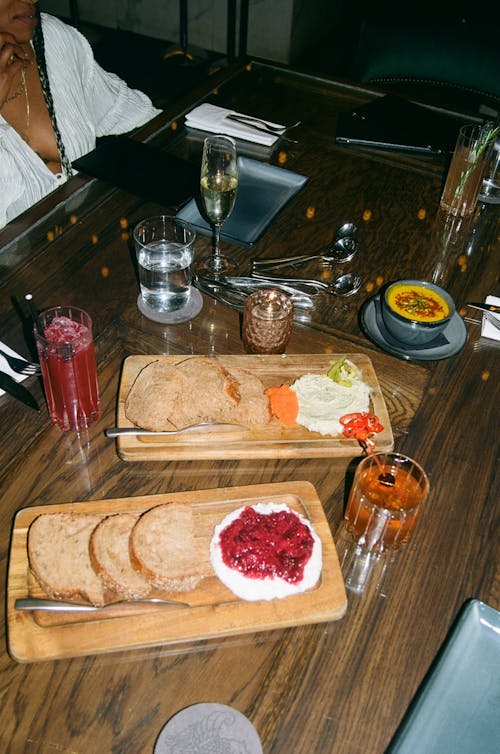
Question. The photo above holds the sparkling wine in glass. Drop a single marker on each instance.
(218, 187)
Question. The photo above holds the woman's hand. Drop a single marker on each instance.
(12, 59)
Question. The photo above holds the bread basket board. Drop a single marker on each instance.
(269, 441)
(212, 610)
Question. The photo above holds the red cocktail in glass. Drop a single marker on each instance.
(67, 359)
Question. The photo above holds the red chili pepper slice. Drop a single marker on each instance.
(358, 417)
(360, 425)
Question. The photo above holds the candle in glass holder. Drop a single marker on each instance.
(267, 321)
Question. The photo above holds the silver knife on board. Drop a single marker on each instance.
(17, 390)
(37, 603)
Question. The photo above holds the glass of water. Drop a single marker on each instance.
(164, 248)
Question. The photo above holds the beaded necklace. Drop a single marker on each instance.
(19, 89)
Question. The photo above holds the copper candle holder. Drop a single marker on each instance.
(267, 321)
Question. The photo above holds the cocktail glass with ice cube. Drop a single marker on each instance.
(67, 359)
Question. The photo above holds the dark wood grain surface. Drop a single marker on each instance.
(340, 687)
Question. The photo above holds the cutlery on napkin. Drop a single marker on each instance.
(488, 329)
(215, 119)
(5, 368)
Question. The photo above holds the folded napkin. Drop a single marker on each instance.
(4, 367)
(212, 118)
(487, 329)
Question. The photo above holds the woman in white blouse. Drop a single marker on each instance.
(54, 101)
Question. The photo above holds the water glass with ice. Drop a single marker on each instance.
(165, 250)
(67, 358)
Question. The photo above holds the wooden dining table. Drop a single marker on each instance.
(340, 685)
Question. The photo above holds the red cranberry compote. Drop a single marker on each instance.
(267, 545)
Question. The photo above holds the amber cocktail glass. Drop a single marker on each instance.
(384, 505)
(383, 515)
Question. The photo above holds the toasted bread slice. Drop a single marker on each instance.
(58, 552)
(211, 392)
(109, 555)
(162, 548)
(153, 396)
(253, 407)
(198, 389)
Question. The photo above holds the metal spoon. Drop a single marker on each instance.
(340, 251)
(345, 230)
(344, 285)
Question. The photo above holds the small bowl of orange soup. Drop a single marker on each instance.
(415, 311)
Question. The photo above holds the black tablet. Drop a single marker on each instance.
(142, 169)
(392, 122)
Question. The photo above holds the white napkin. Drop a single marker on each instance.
(4, 367)
(487, 329)
(214, 119)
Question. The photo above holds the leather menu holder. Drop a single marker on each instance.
(393, 123)
(143, 170)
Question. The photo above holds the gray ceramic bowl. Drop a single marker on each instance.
(414, 331)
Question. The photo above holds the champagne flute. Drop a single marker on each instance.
(218, 187)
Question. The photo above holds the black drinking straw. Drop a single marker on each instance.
(34, 314)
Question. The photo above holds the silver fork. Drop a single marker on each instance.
(269, 126)
(264, 129)
(21, 366)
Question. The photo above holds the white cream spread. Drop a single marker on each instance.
(251, 589)
(323, 401)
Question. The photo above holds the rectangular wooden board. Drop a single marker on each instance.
(271, 441)
(212, 610)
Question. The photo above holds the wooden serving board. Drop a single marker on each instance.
(270, 441)
(212, 611)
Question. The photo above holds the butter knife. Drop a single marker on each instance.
(484, 307)
(36, 603)
(18, 391)
(203, 427)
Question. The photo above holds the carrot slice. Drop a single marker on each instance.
(284, 404)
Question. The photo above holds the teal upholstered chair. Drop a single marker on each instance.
(444, 57)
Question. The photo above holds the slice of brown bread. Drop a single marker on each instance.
(253, 407)
(58, 552)
(109, 555)
(211, 392)
(197, 389)
(162, 548)
(153, 396)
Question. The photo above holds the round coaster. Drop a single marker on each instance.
(192, 308)
(207, 728)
